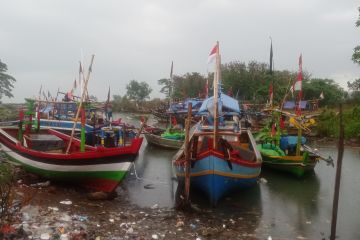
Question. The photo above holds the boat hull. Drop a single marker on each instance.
(101, 169)
(163, 142)
(296, 165)
(217, 176)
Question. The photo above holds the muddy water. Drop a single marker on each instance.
(280, 206)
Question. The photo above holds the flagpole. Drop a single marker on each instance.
(170, 92)
(271, 73)
(216, 95)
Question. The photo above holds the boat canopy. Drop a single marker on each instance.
(47, 109)
(195, 103)
(227, 105)
(292, 105)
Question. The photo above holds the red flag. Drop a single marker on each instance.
(282, 122)
(173, 120)
(298, 82)
(213, 52)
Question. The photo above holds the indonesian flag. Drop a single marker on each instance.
(271, 94)
(213, 53)
(298, 82)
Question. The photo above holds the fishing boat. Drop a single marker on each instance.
(166, 138)
(62, 157)
(287, 153)
(220, 156)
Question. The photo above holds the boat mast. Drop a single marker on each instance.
(216, 96)
(81, 103)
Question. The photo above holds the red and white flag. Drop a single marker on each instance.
(298, 82)
(213, 53)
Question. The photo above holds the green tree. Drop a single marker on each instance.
(6, 82)
(167, 86)
(138, 91)
(333, 93)
(189, 85)
(356, 54)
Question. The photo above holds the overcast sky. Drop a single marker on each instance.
(42, 41)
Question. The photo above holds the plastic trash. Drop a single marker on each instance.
(79, 218)
(66, 202)
(41, 184)
(154, 236)
(45, 236)
(154, 206)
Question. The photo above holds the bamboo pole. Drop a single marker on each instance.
(187, 154)
(337, 177)
(80, 105)
(216, 96)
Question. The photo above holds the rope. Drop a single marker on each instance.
(146, 179)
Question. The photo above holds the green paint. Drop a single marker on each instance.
(82, 143)
(72, 176)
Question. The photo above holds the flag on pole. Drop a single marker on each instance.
(213, 53)
(298, 82)
(321, 95)
(271, 94)
(271, 58)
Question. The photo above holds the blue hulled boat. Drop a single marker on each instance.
(223, 156)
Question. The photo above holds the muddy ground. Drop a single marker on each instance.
(53, 211)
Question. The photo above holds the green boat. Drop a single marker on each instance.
(284, 152)
(275, 158)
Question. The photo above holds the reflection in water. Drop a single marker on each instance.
(154, 184)
(290, 201)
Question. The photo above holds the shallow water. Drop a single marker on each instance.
(283, 206)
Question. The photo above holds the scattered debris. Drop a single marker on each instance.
(41, 184)
(154, 206)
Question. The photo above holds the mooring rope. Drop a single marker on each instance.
(146, 179)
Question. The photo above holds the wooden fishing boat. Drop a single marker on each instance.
(286, 159)
(287, 153)
(222, 156)
(59, 156)
(98, 168)
(169, 138)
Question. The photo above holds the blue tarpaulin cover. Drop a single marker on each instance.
(291, 104)
(225, 101)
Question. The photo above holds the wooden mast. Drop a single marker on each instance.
(80, 104)
(187, 153)
(216, 96)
